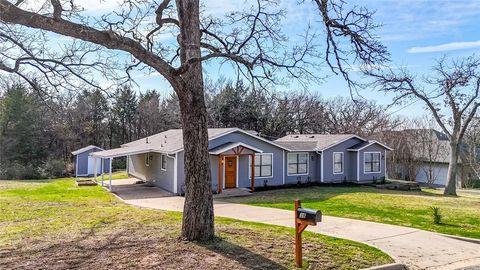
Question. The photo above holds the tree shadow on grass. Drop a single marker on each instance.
(243, 256)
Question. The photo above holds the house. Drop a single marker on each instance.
(236, 153)
(85, 164)
(423, 155)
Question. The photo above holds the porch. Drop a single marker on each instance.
(228, 157)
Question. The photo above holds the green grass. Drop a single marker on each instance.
(55, 222)
(115, 176)
(461, 215)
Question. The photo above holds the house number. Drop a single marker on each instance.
(303, 215)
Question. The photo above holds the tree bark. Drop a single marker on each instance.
(451, 186)
(198, 222)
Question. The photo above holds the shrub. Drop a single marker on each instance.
(437, 217)
(54, 168)
(15, 170)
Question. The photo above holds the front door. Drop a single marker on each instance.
(230, 172)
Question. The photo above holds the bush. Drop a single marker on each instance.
(54, 168)
(437, 217)
(119, 163)
(15, 170)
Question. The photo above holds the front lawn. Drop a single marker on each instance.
(461, 215)
(55, 224)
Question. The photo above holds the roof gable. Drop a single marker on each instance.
(85, 149)
(314, 142)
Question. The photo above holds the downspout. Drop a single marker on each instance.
(321, 163)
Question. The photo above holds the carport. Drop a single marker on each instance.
(115, 153)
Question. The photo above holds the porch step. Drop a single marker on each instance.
(233, 192)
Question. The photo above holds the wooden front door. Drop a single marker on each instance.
(230, 172)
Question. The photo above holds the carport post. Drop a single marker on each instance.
(95, 169)
(110, 181)
(103, 169)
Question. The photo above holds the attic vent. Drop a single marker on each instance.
(146, 140)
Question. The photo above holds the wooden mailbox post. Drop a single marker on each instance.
(303, 218)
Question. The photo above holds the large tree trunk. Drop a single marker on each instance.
(451, 187)
(198, 222)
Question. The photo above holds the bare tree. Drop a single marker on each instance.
(451, 94)
(428, 148)
(250, 39)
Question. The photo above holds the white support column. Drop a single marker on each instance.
(103, 169)
(110, 181)
(95, 169)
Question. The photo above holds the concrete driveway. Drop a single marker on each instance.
(415, 248)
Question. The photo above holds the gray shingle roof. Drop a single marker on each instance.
(169, 142)
(84, 149)
(312, 142)
(172, 140)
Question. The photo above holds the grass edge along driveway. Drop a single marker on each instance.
(56, 223)
(460, 215)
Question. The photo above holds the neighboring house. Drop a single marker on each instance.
(85, 164)
(289, 160)
(428, 154)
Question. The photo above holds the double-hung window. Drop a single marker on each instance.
(337, 162)
(372, 162)
(297, 163)
(263, 165)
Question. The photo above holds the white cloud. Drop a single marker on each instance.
(452, 46)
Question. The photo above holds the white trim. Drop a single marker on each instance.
(250, 168)
(175, 174)
(341, 141)
(223, 149)
(333, 162)
(308, 163)
(236, 182)
(321, 167)
(85, 149)
(384, 163)
(110, 178)
(283, 168)
(76, 165)
(162, 156)
(103, 169)
(371, 143)
(358, 166)
(143, 151)
(380, 160)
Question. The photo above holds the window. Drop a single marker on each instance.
(164, 162)
(337, 162)
(263, 165)
(148, 158)
(371, 162)
(297, 163)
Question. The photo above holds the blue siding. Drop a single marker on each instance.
(81, 161)
(349, 166)
(370, 177)
(313, 169)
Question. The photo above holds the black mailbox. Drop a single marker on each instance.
(309, 214)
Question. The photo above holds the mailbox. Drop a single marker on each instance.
(309, 214)
(303, 218)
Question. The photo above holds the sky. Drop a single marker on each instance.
(415, 32)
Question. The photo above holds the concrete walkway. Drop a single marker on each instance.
(416, 248)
